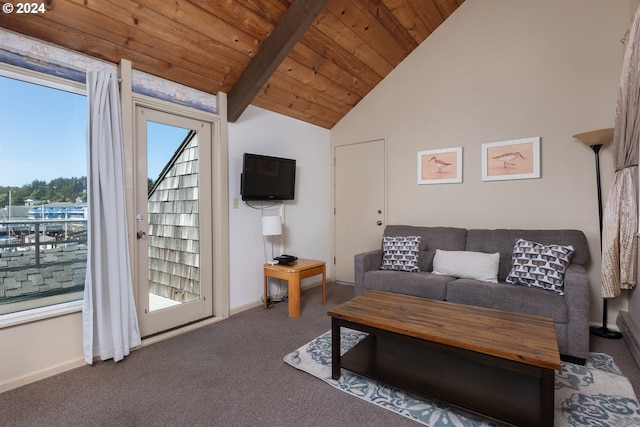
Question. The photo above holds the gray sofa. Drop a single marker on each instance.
(570, 312)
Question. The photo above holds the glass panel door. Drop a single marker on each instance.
(168, 198)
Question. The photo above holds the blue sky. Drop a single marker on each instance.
(43, 135)
(163, 141)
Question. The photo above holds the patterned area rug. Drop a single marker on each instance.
(593, 395)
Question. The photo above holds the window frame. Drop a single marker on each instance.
(66, 85)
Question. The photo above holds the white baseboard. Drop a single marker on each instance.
(178, 331)
(76, 363)
(259, 303)
(245, 307)
(40, 375)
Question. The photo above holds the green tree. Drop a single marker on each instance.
(66, 190)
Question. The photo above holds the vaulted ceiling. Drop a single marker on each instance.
(322, 59)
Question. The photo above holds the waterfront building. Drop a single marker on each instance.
(58, 211)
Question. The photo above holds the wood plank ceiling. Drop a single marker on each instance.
(349, 48)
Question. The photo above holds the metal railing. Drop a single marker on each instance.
(35, 236)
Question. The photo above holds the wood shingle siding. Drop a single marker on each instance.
(174, 247)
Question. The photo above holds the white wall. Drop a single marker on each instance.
(499, 70)
(32, 351)
(306, 219)
(39, 349)
(36, 350)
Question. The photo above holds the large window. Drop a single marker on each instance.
(43, 191)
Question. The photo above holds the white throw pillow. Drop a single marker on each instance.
(467, 265)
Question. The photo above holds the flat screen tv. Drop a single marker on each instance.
(267, 178)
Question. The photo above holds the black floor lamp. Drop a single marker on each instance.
(596, 140)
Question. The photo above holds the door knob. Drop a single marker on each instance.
(378, 222)
(141, 234)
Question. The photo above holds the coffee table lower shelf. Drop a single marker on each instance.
(507, 392)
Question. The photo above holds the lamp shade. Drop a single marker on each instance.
(271, 226)
(596, 137)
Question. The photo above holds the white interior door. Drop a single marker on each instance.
(173, 220)
(360, 204)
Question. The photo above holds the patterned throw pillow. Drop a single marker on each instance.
(540, 266)
(400, 253)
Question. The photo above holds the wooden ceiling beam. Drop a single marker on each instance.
(298, 17)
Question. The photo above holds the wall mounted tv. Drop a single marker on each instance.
(267, 178)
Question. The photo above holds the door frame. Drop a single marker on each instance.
(220, 190)
(152, 322)
(385, 208)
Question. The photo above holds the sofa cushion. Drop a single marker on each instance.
(422, 284)
(431, 238)
(467, 265)
(502, 296)
(540, 266)
(400, 253)
(503, 241)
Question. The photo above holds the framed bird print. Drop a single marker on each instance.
(443, 166)
(513, 159)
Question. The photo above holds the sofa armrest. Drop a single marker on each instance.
(364, 262)
(576, 289)
(577, 296)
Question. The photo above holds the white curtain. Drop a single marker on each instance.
(110, 325)
(620, 222)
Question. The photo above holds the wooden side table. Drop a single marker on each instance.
(293, 274)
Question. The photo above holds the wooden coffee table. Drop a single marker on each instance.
(497, 364)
